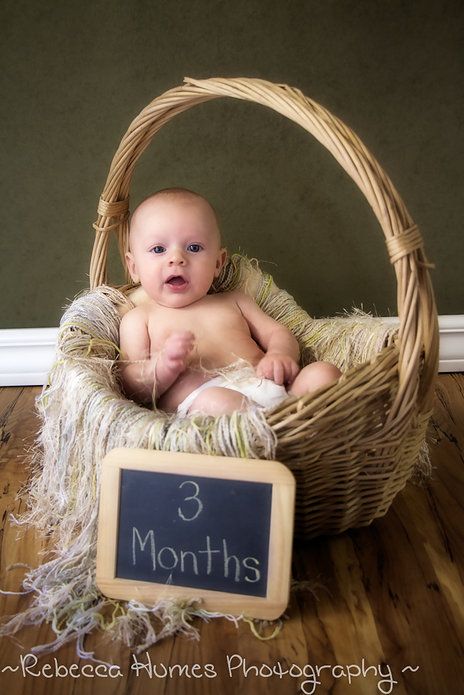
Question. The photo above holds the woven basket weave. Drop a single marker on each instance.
(353, 447)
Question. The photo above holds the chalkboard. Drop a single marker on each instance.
(194, 531)
(216, 528)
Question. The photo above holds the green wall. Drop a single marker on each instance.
(74, 74)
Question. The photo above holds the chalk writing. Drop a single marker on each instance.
(192, 497)
(200, 560)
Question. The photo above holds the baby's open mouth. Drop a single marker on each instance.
(176, 281)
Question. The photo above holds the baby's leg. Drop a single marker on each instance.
(218, 401)
(313, 377)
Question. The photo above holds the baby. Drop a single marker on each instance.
(175, 341)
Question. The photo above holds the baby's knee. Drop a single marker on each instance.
(324, 371)
(314, 376)
(218, 401)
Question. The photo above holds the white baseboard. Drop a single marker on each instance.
(26, 354)
(451, 343)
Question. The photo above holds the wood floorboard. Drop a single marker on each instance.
(388, 599)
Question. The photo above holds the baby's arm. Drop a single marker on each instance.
(137, 366)
(172, 360)
(280, 363)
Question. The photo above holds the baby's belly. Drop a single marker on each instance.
(224, 350)
(202, 369)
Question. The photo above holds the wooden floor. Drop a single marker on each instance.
(388, 615)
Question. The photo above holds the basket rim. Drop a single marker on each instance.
(418, 333)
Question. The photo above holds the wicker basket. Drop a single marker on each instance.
(353, 447)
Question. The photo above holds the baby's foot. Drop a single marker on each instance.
(172, 359)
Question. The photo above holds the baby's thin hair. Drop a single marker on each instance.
(178, 192)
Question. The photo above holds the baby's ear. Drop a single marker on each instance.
(220, 262)
(131, 266)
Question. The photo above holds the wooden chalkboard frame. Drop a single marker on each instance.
(267, 607)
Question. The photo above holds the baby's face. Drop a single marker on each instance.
(175, 250)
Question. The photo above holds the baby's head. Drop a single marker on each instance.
(175, 247)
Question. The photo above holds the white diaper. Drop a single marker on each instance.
(263, 392)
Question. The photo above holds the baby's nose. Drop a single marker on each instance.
(177, 257)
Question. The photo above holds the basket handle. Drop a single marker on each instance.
(418, 333)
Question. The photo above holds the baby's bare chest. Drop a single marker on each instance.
(211, 322)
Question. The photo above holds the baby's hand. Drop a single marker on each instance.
(279, 367)
(173, 357)
(177, 348)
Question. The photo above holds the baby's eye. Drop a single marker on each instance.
(158, 249)
(194, 248)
